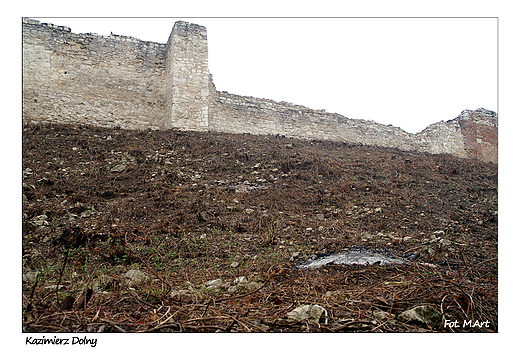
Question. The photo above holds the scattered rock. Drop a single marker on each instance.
(253, 285)
(204, 216)
(381, 315)
(118, 168)
(294, 255)
(134, 278)
(53, 287)
(249, 211)
(422, 314)
(320, 217)
(33, 253)
(307, 312)
(366, 236)
(217, 283)
(387, 236)
(187, 289)
(234, 264)
(78, 208)
(246, 186)
(88, 213)
(29, 276)
(240, 280)
(250, 283)
(336, 295)
(40, 220)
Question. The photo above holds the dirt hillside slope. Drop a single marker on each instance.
(186, 208)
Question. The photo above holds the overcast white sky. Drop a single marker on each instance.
(408, 72)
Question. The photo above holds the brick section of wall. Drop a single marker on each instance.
(480, 130)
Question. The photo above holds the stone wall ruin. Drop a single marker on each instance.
(119, 81)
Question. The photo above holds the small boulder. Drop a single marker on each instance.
(366, 236)
(381, 315)
(40, 220)
(240, 280)
(307, 312)
(118, 168)
(214, 283)
(422, 314)
(134, 278)
(186, 290)
(88, 213)
(253, 285)
(29, 276)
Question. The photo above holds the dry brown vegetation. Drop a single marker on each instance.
(98, 202)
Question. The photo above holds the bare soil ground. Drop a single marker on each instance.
(187, 207)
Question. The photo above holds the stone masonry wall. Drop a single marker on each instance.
(188, 77)
(238, 114)
(122, 81)
(91, 79)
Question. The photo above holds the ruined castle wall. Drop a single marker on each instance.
(471, 134)
(480, 130)
(91, 79)
(239, 114)
(122, 81)
(188, 78)
(443, 137)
